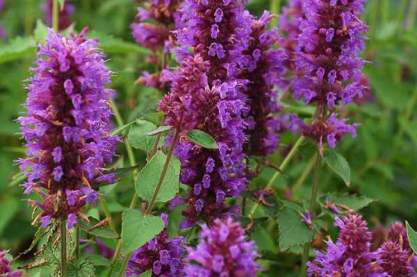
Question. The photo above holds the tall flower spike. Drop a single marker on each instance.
(222, 251)
(394, 260)
(67, 127)
(328, 66)
(162, 255)
(206, 94)
(350, 255)
(5, 268)
(265, 69)
(65, 14)
(152, 29)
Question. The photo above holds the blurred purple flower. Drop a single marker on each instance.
(5, 267)
(222, 251)
(65, 14)
(67, 126)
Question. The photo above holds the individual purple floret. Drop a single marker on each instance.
(5, 267)
(222, 251)
(350, 255)
(264, 70)
(67, 127)
(327, 61)
(162, 255)
(64, 17)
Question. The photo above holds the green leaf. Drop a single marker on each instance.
(202, 138)
(41, 30)
(292, 230)
(120, 129)
(17, 48)
(114, 45)
(137, 136)
(412, 237)
(8, 208)
(338, 164)
(81, 268)
(137, 229)
(148, 179)
(354, 202)
(159, 130)
(103, 231)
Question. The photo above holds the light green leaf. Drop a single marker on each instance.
(202, 138)
(338, 164)
(17, 48)
(412, 237)
(354, 202)
(138, 138)
(137, 229)
(41, 30)
(148, 179)
(292, 230)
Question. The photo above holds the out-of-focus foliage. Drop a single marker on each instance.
(382, 159)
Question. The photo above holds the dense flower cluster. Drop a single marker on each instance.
(64, 16)
(161, 255)
(351, 254)
(328, 68)
(67, 127)
(264, 70)
(153, 29)
(208, 95)
(5, 268)
(222, 251)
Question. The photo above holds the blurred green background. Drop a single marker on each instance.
(383, 157)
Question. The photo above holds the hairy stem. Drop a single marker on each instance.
(281, 168)
(63, 248)
(313, 202)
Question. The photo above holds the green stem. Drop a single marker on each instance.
(104, 206)
(281, 168)
(313, 202)
(300, 181)
(275, 7)
(163, 173)
(55, 15)
(63, 248)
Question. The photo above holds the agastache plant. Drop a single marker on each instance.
(328, 68)
(152, 29)
(67, 127)
(222, 251)
(213, 101)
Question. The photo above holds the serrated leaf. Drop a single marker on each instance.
(292, 230)
(81, 268)
(159, 130)
(202, 138)
(354, 202)
(17, 48)
(137, 229)
(338, 164)
(138, 137)
(148, 179)
(412, 237)
(103, 231)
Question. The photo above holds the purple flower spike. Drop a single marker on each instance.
(326, 59)
(162, 255)
(350, 255)
(394, 260)
(222, 251)
(5, 267)
(67, 126)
